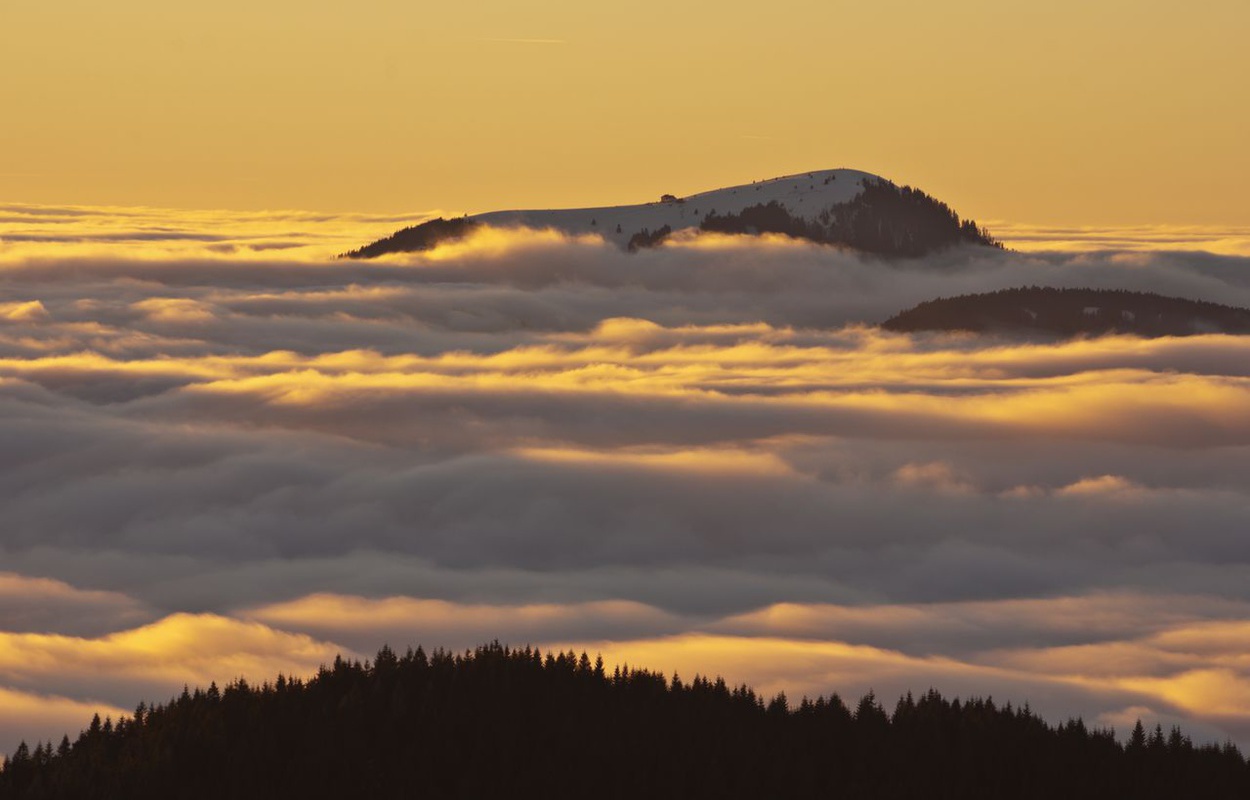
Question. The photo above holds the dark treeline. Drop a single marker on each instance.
(646, 238)
(1072, 312)
(883, 219)
(501, 722)
(425, 236)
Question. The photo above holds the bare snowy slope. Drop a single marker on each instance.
(804, 195)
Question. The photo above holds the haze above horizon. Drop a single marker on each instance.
(1105, 113)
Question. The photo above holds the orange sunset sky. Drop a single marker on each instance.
(1112, 112)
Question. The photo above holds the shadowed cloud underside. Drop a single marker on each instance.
(223, 458)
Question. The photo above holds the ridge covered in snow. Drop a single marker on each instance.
(842, 207)
(803, 195)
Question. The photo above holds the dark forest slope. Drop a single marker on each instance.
(500, 722)
(884, 219)
(425, 236)
(1035, 311)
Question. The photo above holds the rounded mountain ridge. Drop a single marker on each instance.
(842, 207)
(803, 194)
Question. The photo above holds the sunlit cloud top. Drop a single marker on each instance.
(135, 232)
(1224, 240)
(703, 457)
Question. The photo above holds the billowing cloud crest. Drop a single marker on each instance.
(223, 459)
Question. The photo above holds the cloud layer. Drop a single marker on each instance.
(242, 460)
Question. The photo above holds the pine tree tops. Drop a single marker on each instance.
(495, 720)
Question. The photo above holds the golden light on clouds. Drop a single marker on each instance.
(1229, 240)
(178, 649)
(774, 649)
(229, 454)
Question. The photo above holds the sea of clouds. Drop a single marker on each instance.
(225, 453)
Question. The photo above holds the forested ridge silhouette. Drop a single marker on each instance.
(424, 236)
(1072, 312)
(517, 722)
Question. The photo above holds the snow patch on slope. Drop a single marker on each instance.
(803, 195)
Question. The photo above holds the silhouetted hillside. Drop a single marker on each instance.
(419, 237)
(1072, 312)
(884, 219)
(499, 722)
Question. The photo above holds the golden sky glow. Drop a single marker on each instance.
(1062, 112)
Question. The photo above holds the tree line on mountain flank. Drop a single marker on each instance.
(883, 219)
(516, 722)
(424, 236)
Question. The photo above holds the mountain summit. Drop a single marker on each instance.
(843, 207)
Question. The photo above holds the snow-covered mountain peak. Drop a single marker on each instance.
(803, 195)
(839, 207)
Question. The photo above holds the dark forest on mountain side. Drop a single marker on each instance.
(517, 722)
(883, 219)
(1072, 312)
(424, 236)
